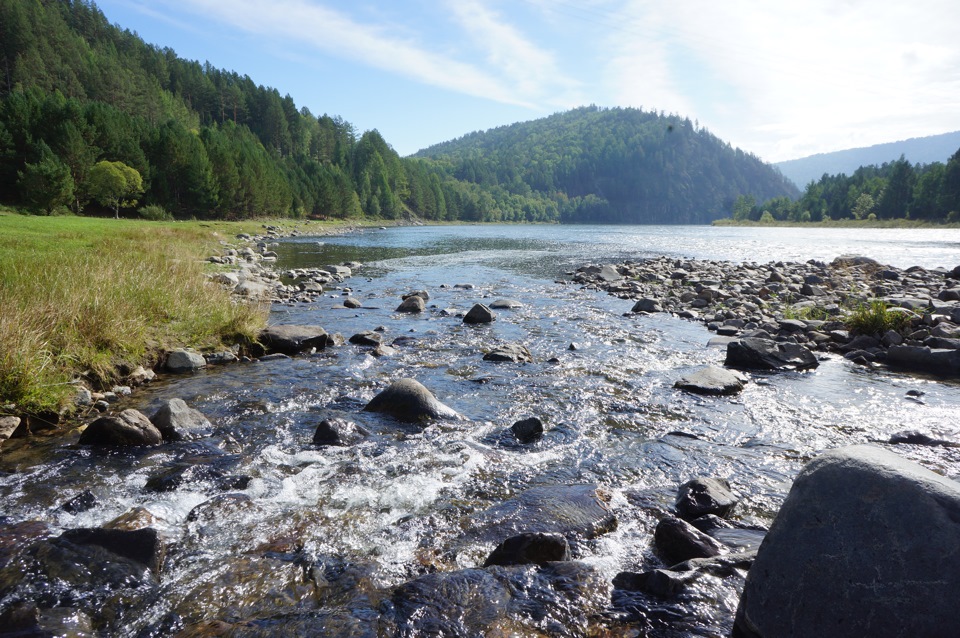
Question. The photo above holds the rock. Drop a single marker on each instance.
(528, 430)
(140, 376)
(647, 305)
(177, 421)
(701, 496)
(384, 351)
(609, 273)
(143, 546)
(338, 432)
(659, 582)
(129, 428)
(506, 304)
(423, 294)
(351, 302)
(860, 547)
(939, 361)
(712, 380)
(915, 437)
(339, 271)
(765, 354)
(513, 353)
(531, 548)
(575, 511)
(412, 304)
(847, 261)
(479, 314)
(523, 600)
(366, 338)
(84, 397)
(185, 361)
(294, 339)
(8, 425)
(408, 400)
(677, 540)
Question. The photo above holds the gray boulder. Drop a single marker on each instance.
(177, 421)
(130, 428)
(185, 361)
(409, 401)
(647, 305)
(366, 338)
(479, 314)
(412, 304)
(766, 354)
(938, 361)
(865, 544)
(293, 339)
(513, 353)
(712, 380)
(352, 302)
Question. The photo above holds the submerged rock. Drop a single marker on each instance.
(766, 354)
(408, 400)
(129, 428)
(528, 430)
(864, 544)
(712, 380)
(575, 511)
(338, 432)
(144, 546)
(530, 548)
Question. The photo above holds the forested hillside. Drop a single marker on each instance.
(614, 165)
(96, 121)
(892, 190)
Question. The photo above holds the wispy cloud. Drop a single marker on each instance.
(509, 76)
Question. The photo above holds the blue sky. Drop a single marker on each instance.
(781, 80)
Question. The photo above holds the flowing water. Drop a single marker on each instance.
(283, 527)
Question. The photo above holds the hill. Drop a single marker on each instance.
(918, 150)
(94, 120)
(619, 165)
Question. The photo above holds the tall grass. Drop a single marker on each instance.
(81, 297)
(876, 318)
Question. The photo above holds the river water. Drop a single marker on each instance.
(403, 502)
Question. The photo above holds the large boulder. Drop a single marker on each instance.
(412, 304)
(129, 428)
(408, 400)
(177, 421)
(865, 544)
(291, 339)
(512, 353)
(753, 353)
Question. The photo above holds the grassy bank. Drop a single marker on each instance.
(81, 296)
(841, 223)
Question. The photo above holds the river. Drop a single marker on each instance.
(403, 503)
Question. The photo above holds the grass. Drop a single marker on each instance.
(81, 297)
(876, 318)
(841, 223)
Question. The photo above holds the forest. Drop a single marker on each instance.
(892, 190)
(95, 121)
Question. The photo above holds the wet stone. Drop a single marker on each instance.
(177, 421)
(129, 428)
(409, 401)
(479, 313)
(530, 548)
(712, 380)
(338, 432)
(701, 496)
(510, 353)
(677, 541)
(293, 339)
(412, 304)
(528, 430)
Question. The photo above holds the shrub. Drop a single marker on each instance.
(155, 213)
(876, 318)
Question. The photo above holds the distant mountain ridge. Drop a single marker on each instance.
(917, 150)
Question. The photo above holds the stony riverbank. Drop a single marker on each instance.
(853, 306)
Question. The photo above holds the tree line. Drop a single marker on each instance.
(892, 190)
(94, 120)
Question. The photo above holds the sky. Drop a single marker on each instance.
(781, 80)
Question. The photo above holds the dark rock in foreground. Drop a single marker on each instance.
(143, 545)
(130, 428)
(408, 400)
(939, 361)
(292, 340)
(531, 548)
(753, 353)
(677, 540)
(528, 430)
(865, 544)
(712, 380)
